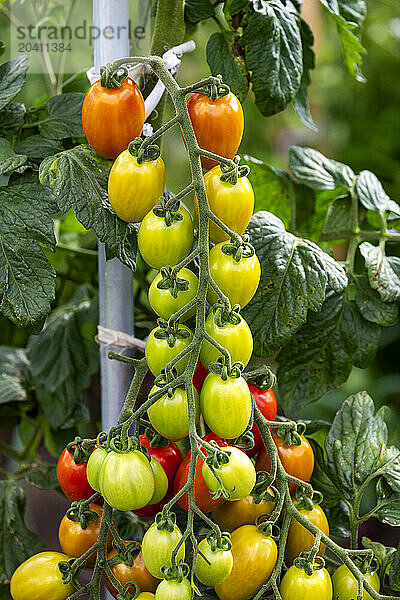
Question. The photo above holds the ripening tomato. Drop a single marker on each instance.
(169, 415)
(237, 280)
(199, 376)
(112, 118)
(300, 539)
(266, 402)
(296, 460)
(95, 461)
(254, 558)
(232, 515)
(218, 125)
(126, 480)
(345, 586)
(145, 596)
(202, 494)
(218, 567)
(226, 405)
(126, 574)
(297, 585)
(174, 590)
(135, 188)
(238, 476)
(72, 478)
(232, 204)
(169, 456)
(157, 548)
(75, 541)
(39, 577)
(159, 353)
(165, 304)
(162, 245)
(235, 337)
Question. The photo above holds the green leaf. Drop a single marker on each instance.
(12, 77)
(300, 101)
(337, 218)
(383, 272)
(354, 443)
(371, 306)
(64, 117)
(295, 274)
(27, 280)
(198, 10)
(383, 554)
(394, 574)
(9, 160)
(221, 60)
(391, 461)
(38, 147)
(318, 172)
(272, 189)
(41, 474)
(372, 195)
(320, 356)
(130, 527)
(12, 117)
(273, 54)
(17, 543)
(11, 389)
(388, 504)
(78, 178)
(65, 355)
(14, 361)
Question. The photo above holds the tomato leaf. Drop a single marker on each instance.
(221, 60)
(27, 279)
(198, 10)
(295, 274)
(12, 77)
(383, 272)
(38, 147)
(388, 504)
(41, 474)
(78, 178)
(10, 161)
(337, 218)
(17, 543)
(372, 195)
(318, 172)
(64, 118)
(12, 117)
(300, 101)
(273, 49)
(64, 356)
(371, 306)
(320, 356)
(394, 574)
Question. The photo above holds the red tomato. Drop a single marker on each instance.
(112, 118)
(169, 457)
(199, 376)
(72, 478)
(266, 402)
(218, 125)
(202, 494)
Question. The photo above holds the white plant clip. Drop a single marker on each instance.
(172, 60)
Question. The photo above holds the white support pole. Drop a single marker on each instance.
(115, 279)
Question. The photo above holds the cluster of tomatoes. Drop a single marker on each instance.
(143, 476)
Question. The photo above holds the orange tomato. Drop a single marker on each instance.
(125, 574)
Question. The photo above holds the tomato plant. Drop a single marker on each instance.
(218, 124)
(112, 117)
(73, 478)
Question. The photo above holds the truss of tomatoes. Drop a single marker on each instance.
(144, 479)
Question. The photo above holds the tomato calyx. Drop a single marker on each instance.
(171, 332)
(230, 173)
(127, 593)
(307, 498)
(215, 89)
(126, 554)
(170, 281)
(142, 151)
(309, 562)
(79, 512)
(223, 316)
(219, 540)
(221, 369)
(81, 449)
(168, 210)
(111, 78)
(263, 490)
(291, 436)
(177, 572)
(238, 248)
(165, 520)
(266, 524)
(70, 570)
(216, 458)
(156, 439)
(246, 440)
(262, 377)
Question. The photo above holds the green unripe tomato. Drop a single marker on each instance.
(345, 585)
(174, 590)
(163, 301)
(219, 565)
(126, 480)
(39, 578)
(297, 585)
(157, 548)
(169, 415)
(236, 338)
(94, 464)
(160, 481)
(159, 353)
(238, 475)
